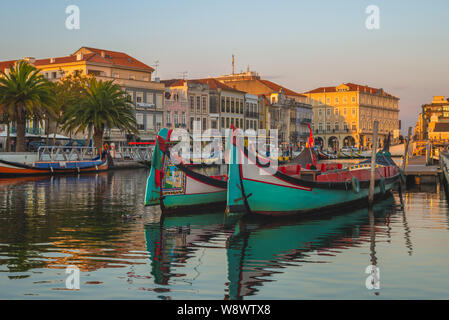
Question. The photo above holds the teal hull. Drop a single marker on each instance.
(254, 189)
(194, 200)
(286, 200)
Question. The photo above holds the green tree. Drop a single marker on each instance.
(25, 94)
(68, 91)
(102, 104)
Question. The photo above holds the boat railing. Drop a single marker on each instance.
(63, 153)
(136, 153)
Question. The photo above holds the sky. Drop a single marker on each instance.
(299, 44)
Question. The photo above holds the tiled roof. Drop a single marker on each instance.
(277, 88)
(352, 87)
(111, 58)
(58, 60)
(6, 64)
(118, 58)
(215, 84)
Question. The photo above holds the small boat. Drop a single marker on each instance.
(178, 187)
(292, 189)
(49, 168)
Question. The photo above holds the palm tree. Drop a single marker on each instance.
(24, 94)
(101, 104)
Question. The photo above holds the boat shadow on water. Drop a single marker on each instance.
(258, 249)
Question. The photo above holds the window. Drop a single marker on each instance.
(353, 111)
(328, 112)
(247, 124)
(150, 98)
(241, 123)
(183, 118)
(204, 123)
(176, 118)
(345, 126)
(354, 127)
(328, 127)
(353, 99)
(320, 112)
(227, 122)
(204, 104)
(232, 105)
(337, 111)
(191, 123)
(158, 100)
(213, 124)
(198, 106)
(139, 119)
(168, 119)
(192, 103)
(336, 100)
(320, 126)
(222, 122)
(232, 121)
(328, 100)
(150, 121)
(223, 102)
(132, 77)
(337, 126)
(139, 97)
(228, 105)
(344, 111)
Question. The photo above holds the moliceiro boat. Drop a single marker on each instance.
(176, 186)
(297, 190)
(10, 169)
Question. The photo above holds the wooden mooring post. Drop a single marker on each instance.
(407, 143)
(373, 164)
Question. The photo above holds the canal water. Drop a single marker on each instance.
(127, 251)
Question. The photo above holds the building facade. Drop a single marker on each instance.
(186, 101)
(278, 105)
(343, 115)
(131, 74)
(227, 105)
(434, 113)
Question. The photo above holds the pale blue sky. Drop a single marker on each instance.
(299, 44)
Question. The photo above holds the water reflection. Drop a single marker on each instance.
(257, 250)
(98, 222)
(51, 223)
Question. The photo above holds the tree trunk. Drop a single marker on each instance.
(98, 138)
(47, 129)
(8, 138)
(21, 131)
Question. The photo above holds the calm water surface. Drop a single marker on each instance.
(127, 251)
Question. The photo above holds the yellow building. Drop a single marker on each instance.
(344, 115)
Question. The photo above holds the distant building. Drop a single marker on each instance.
(131, 74)
(186, 101)
(226, 105)
(280, 108)
(437, 112)
(343, 115)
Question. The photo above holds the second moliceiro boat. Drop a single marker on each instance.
(176, 187)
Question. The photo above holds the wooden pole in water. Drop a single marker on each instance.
(407, 143)
(373, 164)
